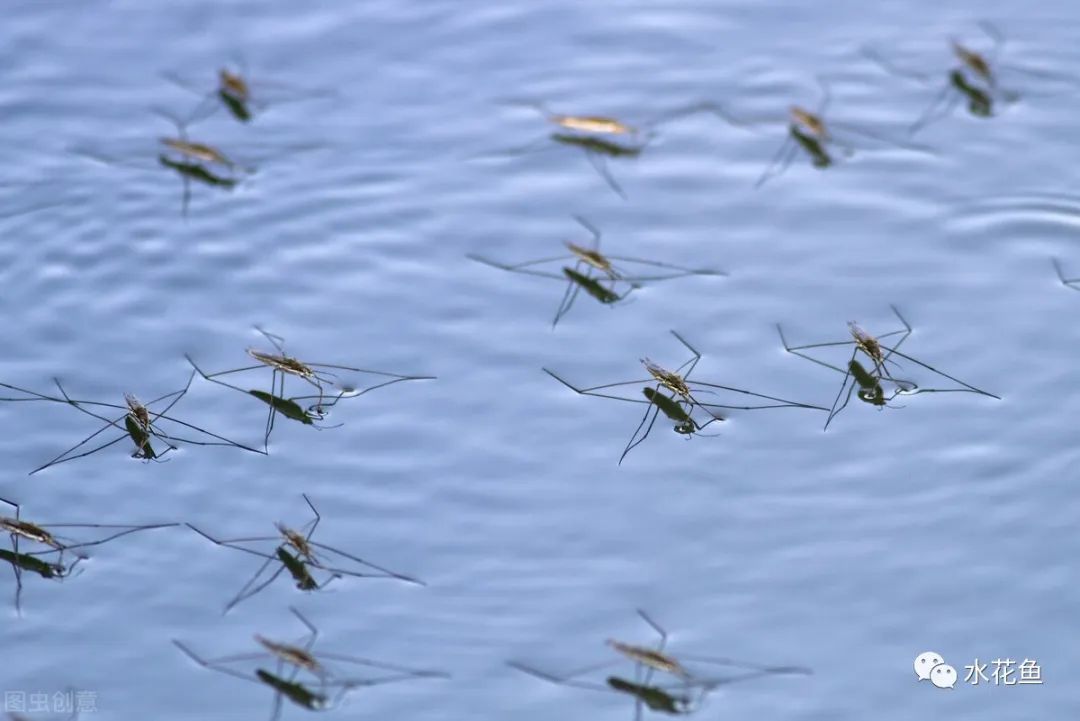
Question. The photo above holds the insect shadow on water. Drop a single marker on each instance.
(881, 356)
(600, 138)
(975, 77)
(241, 95)
(598, 274)
(140, 423)
(822, 140)
(316, 375)
(683, 694)
(297, 553)
(49, 562)
(313, 681)
(675, 395)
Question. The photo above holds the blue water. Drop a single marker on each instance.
(946, 525)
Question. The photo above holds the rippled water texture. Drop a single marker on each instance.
(947, 525)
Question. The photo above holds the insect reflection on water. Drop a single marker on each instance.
(676, 396)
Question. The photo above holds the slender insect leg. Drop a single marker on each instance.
(524, 267)
(362, 562)
(565, 679)
(997, 37)
(690, 364)
(591, 391)
(600, 166)
(210, 664)
(659, 647)
(930, 368)
(63, 457)
(213, 377)
(794, 350)
(250, 588)
(1061, 274)
(127, 531)
(834, 410)
(634, 443)
(313, 632)
(591, 228)
(781, 159)
(931, 114)
(568, 298)
(18, 582)
(315, 511)
(270, 414)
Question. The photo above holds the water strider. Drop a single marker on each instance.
(684, 693)
(323, 684)
(675, 395)
(294, 551)
(869, 383)
(317, 375)
(606, 278)
(48, 562)
(139, 424)
(824, 141)
(975, 76)
(598, 137)
(239, 94)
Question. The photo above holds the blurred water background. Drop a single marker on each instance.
(947, 525)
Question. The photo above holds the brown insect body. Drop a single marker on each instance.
(650, 657)
(812, 122)
(297, 541)
(29, 531)
(138, 411)
(234, 85)
(867, 343)
(975, 62)
(283, 363)
(291, 654)
(594, 258)
(669, 379)
(197, 151)
(593, 124)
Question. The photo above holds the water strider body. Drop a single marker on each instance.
(654, 658)
(599, 124)
(294, 655)
(29, 531)
(198, 151)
